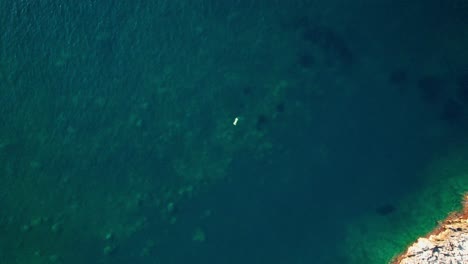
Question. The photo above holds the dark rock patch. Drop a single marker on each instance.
(385, 209)
(431, 89)
(398, 77)
(306, 60)
(262, 121)
(329, 42)
(453, 112)
(280, 107)
(462, 88)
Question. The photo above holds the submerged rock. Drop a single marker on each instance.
(448, 243)
(385, 209)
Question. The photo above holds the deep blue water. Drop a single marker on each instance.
(109, 98)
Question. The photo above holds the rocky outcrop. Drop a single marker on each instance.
(448, 243)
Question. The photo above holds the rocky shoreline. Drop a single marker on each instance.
(448, 243)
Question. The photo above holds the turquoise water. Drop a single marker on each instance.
(117, 142)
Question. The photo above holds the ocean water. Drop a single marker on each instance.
(118, 142)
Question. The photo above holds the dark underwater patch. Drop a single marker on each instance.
(385, 209)
(462, 88)
(431, 89)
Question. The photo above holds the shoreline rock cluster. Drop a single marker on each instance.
(448, 243)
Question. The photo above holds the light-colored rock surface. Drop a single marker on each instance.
(448, 243)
